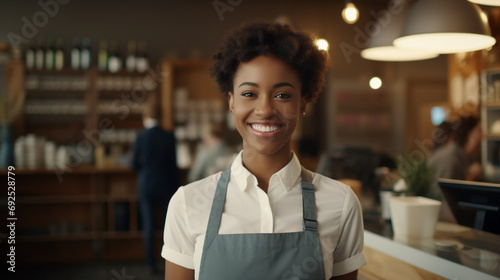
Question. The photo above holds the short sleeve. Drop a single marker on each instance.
(178, 244)
(348, 255)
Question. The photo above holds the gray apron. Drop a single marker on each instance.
(259, 256)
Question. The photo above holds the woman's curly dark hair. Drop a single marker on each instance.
(295, 48)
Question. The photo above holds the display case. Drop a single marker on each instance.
(490, 121)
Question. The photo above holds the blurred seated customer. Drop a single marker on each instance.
(213, 155)
(453, 160)
(154, 158)
(442, 135)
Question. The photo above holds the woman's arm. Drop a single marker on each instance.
(177, 272)
(349, 276)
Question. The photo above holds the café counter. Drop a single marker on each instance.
(455, 252)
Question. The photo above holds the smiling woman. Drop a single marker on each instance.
(265, 217)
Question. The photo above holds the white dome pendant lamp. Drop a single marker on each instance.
(446, 26)
(380, 46)
(487, 2)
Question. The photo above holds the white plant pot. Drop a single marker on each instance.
(414, 217)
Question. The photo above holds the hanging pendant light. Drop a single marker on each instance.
(380, 46)
(486, 2)
(446, 26)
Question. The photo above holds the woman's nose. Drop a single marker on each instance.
(264, 107)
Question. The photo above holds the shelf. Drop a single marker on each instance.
(491, 105)
(57, 117)
(54, 92)
(493, 137)
(127, 234)
(120, 198)
(64, 71)
(59, 199)
(57, 237)
(83, 169)
(122, 72)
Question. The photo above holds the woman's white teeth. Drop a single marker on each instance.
(265, 128)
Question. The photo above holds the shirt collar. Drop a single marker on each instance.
(287, 176)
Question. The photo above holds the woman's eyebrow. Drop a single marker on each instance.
(283, 85)
(248, 84)
(275, 86)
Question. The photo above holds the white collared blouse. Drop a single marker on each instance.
(248, 209)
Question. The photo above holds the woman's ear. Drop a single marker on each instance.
(230, 101)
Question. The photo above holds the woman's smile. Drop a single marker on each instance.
(266, 130)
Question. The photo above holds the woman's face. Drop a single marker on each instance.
(266, 103)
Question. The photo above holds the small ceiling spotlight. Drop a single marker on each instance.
(350, 13)
(322, 44)
(375, 83)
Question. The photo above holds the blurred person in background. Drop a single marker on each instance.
(442, 135)
(154, 158)
(213, 154)
(457, 159)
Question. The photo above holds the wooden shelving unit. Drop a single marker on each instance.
(63, 211)
(77, 213)
(84, 209)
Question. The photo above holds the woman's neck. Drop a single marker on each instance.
(264, 166)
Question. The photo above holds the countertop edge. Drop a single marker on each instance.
(423, 260)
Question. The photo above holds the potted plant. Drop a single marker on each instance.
(419, 180)
(414, 216)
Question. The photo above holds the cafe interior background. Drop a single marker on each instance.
(71, 129)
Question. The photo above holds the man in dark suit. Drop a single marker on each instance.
(154, 158)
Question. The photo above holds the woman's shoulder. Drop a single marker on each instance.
(331, 189)
(328, 184)
(204, 187)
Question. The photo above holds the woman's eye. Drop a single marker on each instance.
(282, 95)
(247, 94)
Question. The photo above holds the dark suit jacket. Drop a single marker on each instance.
(154, 157)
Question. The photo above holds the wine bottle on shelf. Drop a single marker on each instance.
(142, 60)
(49, 55)
(29, 56)
(59, 54)
(131, 56)
(86, 54)
(114, 59)
(102, 56)
(75, 54)
(40, 53)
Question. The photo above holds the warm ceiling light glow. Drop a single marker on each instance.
(486, 2)
(445, 26)
(322, 44)
(446, 42)
(375, 83)
(350, 13)
(392, 53)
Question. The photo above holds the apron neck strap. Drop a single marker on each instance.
(309, 222)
